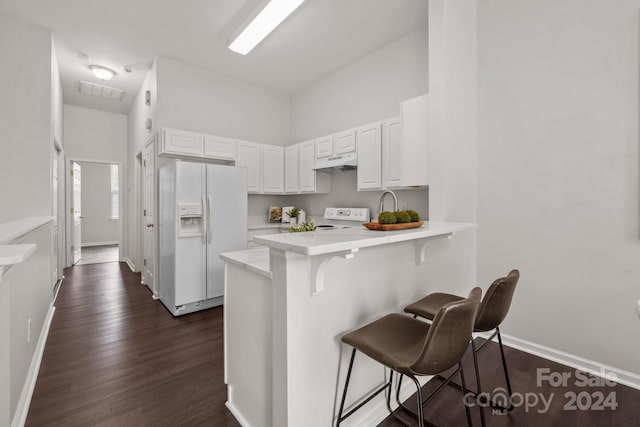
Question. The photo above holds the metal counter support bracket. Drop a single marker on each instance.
(420, 246)
(318, 264)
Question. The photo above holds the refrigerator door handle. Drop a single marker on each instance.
(209, 218)
(204, 219)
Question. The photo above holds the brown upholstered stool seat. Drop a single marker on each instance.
(412, 348)
(428, 306)
(395, 340)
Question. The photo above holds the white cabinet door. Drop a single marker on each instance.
(344, 142)
(392, 149)
(370, 157)
(182, 142)
(307, 174)
(273, 169)
(291, 168)
(250, 157)
(324, 146)
(219, 147)
(311, 181)
(414, 117)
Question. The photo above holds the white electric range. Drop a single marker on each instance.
(336, 218)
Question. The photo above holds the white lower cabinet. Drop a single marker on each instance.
(369, 143)
(250, 157)
(291, 169)
(273, 169)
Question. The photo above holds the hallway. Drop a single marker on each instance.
(116, 357)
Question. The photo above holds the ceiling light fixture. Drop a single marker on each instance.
(103, 73)
(269, 18)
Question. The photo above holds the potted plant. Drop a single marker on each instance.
(293, 215)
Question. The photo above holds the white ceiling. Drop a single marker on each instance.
(319, 38)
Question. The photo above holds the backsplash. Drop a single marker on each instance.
(343, 194)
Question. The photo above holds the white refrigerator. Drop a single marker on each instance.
(203, 212)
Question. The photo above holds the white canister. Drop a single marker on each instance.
(302, 217)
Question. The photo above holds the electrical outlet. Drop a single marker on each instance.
(29, 330)
(638, 307)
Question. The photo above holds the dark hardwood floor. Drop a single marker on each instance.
(115, 357)
(560, 409)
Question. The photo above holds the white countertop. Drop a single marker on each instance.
(256, 260)
(325, 242)
(267, 226)
(12, 230)
(15, 254)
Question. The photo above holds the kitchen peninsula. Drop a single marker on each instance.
(288, 303)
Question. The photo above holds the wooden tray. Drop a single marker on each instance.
(389, 227)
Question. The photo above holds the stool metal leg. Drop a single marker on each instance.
(478, 387)
(387, 385)
(464, 387)
(506, 372)
(346, 385)
(419, 401)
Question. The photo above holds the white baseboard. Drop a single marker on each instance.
(107, 243)
(20, 417)
(130, 263)
(234, 411)
(622, 377)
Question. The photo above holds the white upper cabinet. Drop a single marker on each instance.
(291, 161)
(273, 169)
(324, 146)
(392, 151)
(344, 142)
(182, 143)
(219, 147)
(405, 146)
(370, 157)
(311, 181)
(415, 117)
(250, 157)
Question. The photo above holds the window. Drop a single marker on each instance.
(115, 205)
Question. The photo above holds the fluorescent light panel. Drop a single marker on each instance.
(269, 18)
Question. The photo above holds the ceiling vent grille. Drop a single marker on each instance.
(103, 91)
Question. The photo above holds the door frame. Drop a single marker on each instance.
(69, 217)
(141, 218)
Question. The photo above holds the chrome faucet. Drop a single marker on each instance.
(395, 200)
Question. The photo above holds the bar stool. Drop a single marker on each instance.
(415, 348)
(493, 310)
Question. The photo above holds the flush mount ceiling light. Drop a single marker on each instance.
(103, 73)
(269, 18)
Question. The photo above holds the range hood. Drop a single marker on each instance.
(339, 163)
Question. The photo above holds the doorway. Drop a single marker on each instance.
(95, 214)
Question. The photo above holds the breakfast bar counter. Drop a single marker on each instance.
(287, 305)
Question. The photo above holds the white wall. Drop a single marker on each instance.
(193, 99)
(95, 135)
(25, 120)
(558, 171)
(344, 194)
(370, 89)
(367, 90)
(97, 225)
(138, 136)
